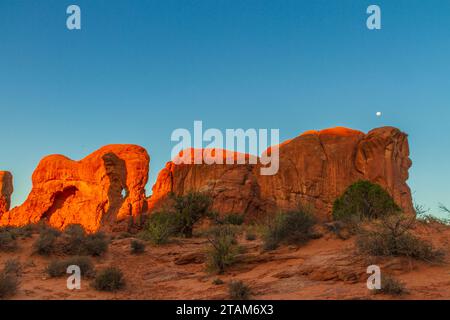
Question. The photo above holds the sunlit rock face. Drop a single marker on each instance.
(108, 186)
(314, 169)
(104, 188)
(6, 190)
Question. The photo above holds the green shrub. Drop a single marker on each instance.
(58, 268)
(365, 200)
(391, 286)
(392, 238)
(109, 279)
(8, 285)
(13, 267)
(239, 291)
(223, 251)
(189, 209)
(289, 228)
(160, 226)
(8, 242)
(137, 247)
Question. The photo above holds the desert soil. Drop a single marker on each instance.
(326, 268)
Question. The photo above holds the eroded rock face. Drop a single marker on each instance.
(103, 188)
(6, 190)
(108, 186)
(315, 168)
(234, 188)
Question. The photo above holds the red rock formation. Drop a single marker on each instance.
(105, 187)
(233, 187)
(315, 168)
(6, 190)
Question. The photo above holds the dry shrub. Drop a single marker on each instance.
(392, 237)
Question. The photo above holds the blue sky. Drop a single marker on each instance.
(140, 69)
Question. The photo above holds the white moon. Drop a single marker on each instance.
(378, 114)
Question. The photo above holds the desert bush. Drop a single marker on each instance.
(239, 290)
(46, 243)
(96, 244)
(364, 200)
(250, 236)
(233, 219)
(8, 242)
(189, 209)
(423, 216)
(391, 286)
(12, 266)
(223, 251)
(444, 208)
(58, 268)
(392, 237)
(8, 285)
(160, 226)
(75, 241)
(137, 247)
(21, 232)
(289, 228)
(109, 279)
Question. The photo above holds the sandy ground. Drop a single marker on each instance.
(326, 268)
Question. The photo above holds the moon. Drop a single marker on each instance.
(378, 114)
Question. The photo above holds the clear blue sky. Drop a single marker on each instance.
(140, 69)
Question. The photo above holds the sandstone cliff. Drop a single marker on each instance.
(314, 169)
(108, 186)
(103, 188)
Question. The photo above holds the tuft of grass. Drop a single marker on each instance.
(109, 279)
(58, 268)
(292, 228)
(8, 285)
(223, 250)
(238, 290)
(391, 286)
(137, 247)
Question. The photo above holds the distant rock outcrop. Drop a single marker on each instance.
(314, 169)
(103, 188)
(108, 186)
(6, 190)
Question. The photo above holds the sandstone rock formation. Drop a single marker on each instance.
(314, 169)
(105, 187)
(6, 190)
